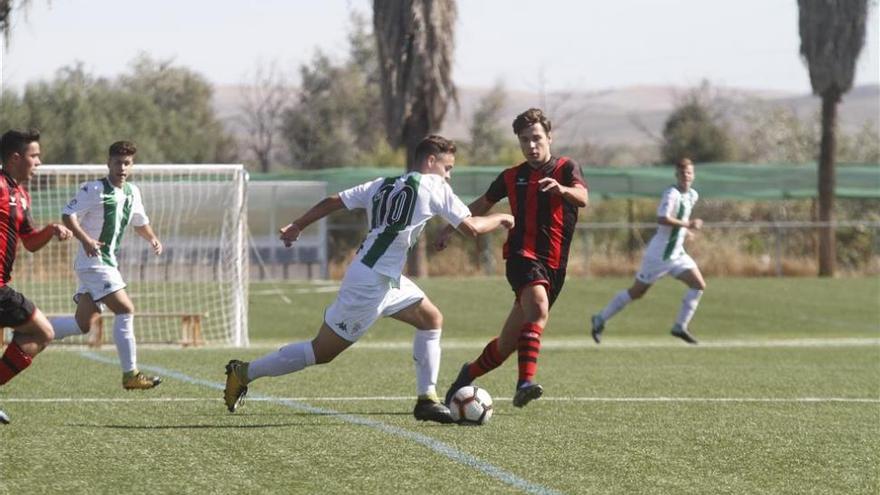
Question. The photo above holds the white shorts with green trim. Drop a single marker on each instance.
(364, 297)
(98, 282)
(654, 269)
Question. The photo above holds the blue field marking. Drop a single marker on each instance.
(438, 447)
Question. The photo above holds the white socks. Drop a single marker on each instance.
(688, 307)
(426, 354)
(65, 326)
(620, 300)
(123, 336)
(288, 359)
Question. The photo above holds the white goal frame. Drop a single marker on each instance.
(196, 292)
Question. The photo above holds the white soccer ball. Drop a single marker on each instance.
(471, 406)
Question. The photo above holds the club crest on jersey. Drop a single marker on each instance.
(14, 202)
(522, 181)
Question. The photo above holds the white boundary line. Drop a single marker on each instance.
(436, 446)
(584, 343)
(735, 400)
(587, 343)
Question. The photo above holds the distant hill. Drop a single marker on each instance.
(628, 115)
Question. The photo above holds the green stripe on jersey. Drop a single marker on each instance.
(673, 235)
(116, 217)
(386, 238)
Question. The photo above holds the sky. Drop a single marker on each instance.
(526, 45)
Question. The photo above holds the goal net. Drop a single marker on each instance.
(195, 291)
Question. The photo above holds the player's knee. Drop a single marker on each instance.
(434, 319)
(125, 308)
(44, 334)
(636, 293)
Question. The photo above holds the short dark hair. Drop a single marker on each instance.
(529, 118)
(16, 141)
(433, 145)
(124, 148)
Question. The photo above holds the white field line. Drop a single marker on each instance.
(772, 400)
(303, 290)
(584, 343)
(622, 344)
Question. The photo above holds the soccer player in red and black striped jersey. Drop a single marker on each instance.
(544, 193)
(31, 331)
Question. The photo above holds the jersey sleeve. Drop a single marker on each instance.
(86, 197)
(668, 201)
(139, 216)
(359, 196)
(497, 189)
(572, 175)
(27, 222)
(449, 206)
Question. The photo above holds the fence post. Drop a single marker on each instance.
(586, 252)
(778, 248)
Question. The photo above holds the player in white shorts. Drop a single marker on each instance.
(97, 216)
(666, 256)
(397, 210)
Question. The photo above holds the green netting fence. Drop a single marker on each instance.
(716, 180)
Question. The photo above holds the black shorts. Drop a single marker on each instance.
(15, 309)
(523, 272)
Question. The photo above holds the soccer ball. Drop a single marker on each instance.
(471, 406)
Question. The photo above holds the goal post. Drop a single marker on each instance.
(195, 291)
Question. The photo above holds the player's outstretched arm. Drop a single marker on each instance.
(290, 232)
(474, 226)
(478, 207)
(146, 232)
(36, 240)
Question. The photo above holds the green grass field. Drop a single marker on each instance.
(782, 396)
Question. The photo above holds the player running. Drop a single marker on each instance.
(666, 255)
(31, 331)
(544, 193)
(97, 216)
(397, 210)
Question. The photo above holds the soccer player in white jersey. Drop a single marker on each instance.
(397, 210)
(97, 216)
(666, 255)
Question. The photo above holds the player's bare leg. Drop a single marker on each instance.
(28, 340)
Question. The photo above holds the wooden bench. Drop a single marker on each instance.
(190, 327)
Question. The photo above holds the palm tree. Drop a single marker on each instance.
(415, 41)
(832, 35)
(6, 7)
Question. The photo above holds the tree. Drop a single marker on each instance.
(488, 139)
(695, 131)
(832, 35)
(166, 110)
(6, 8)
(775, 134)
(263, 104)
(333, 122)
(415, 41)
